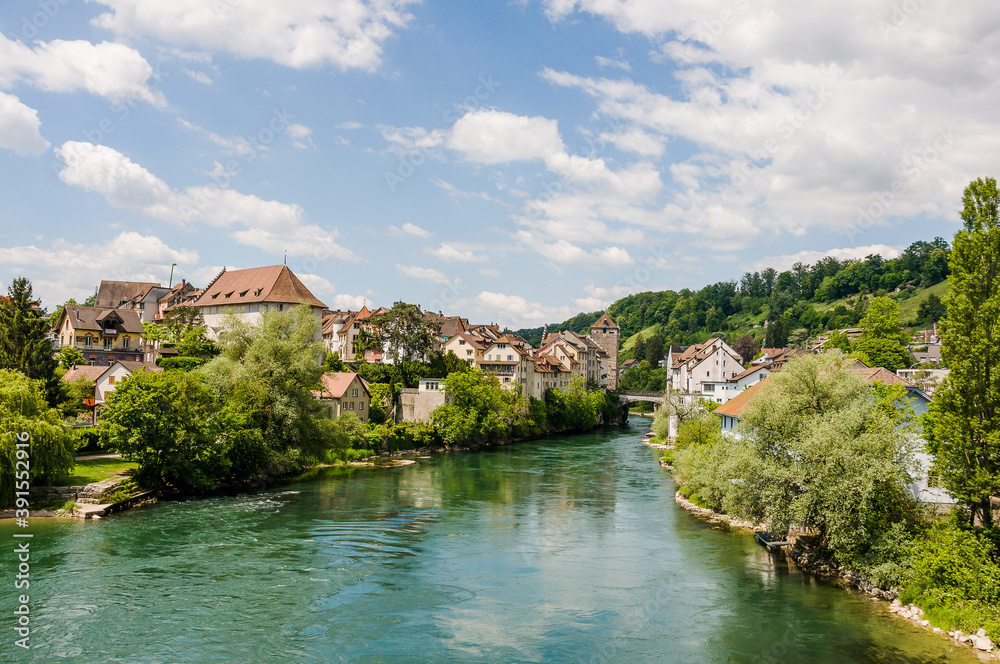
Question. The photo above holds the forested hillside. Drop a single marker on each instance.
(779, 308)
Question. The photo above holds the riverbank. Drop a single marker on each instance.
(807, 560)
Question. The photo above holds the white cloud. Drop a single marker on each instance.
(271, 226)
(409, 229)
(113, 71)
(199, 76)
(496, 137)
(343, 301)
(349, 125)
(457, 252)
(426, 273)
(603, 62)
(800, 117)
(64, 270)
(300, 135)
(562, 251)
(236, 145)
(347, 34)
(517, 311)
(781, 263)
(19, 127)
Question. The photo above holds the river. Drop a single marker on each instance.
(563, 550)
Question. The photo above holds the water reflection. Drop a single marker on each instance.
(565, 550)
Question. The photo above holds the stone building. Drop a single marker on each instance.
(605, 334)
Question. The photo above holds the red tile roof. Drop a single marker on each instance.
(275, 283)
(334, 384)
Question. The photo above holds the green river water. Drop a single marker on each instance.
(563, 550)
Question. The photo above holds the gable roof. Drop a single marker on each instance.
(738, 404)
(90, 318)
(605, 321)
(275, 283)
(334, 384)
(749, 372)
(110, 294)
(86, 371)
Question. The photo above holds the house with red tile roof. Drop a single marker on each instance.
(712, 361)
(247, 294)
(106, 378)
(344, 392)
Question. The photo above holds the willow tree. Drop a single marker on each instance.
(965, 432)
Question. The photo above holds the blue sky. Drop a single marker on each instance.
(512, 162)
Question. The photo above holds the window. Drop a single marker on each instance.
(111, 380)
(125, 342)
(354, 393)
(709, 387)
(88, 341)
(510, 357)
(708, 373)
(461, 342)
(468, 352)
(111, 360)
(107, 344)
(361, 405)
(352, 406)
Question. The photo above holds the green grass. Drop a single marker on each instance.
(95, 470)
(908, 307)
(646, 334)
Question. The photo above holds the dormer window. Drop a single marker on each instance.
(244, 293)
(257, 292)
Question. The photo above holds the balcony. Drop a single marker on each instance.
(110, 331)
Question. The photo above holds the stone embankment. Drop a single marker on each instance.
(979, 641)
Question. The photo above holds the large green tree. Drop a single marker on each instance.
(167, 423)
(881, 343)
(401, 332)
(264, 376)
(24, 411)
(965, 431)
(24, 343)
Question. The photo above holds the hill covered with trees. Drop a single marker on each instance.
(777, 308)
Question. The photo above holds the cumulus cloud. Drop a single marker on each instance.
(346, 34)
(515, 310)
(19, 127)
(113, 71)
(806, 117)
(63, 269)
(300, 135)
(426, 273)
(496, 137)
(562, 251)
(271, 226)
(457, 252)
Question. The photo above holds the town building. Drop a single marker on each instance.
(105, 379)
(606, 335)
(417, 403)
(713, 361)
(103, 335)
(247, 294)
(344, 392)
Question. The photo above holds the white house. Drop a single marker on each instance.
(247, 294)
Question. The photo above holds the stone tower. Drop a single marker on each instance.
(605, 334)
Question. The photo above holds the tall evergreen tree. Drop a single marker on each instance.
(24, 344)
(965, 430)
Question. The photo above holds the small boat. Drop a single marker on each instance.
(769, 540)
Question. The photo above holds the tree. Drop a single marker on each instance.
(166, 422)
(881, 343)
(777, 333)
(820, 449)
(402, 333)
(482, 410)
(639, 349)
(24, 343)
(965, 430)
(25, 416)
(931, 310)
(654, 351)
(70, 356)
(264, 377)
(747, 347)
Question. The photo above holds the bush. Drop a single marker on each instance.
(182, 363)
(955, 578)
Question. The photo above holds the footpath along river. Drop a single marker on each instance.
(569, 549)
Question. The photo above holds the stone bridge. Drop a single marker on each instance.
(628, 396)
